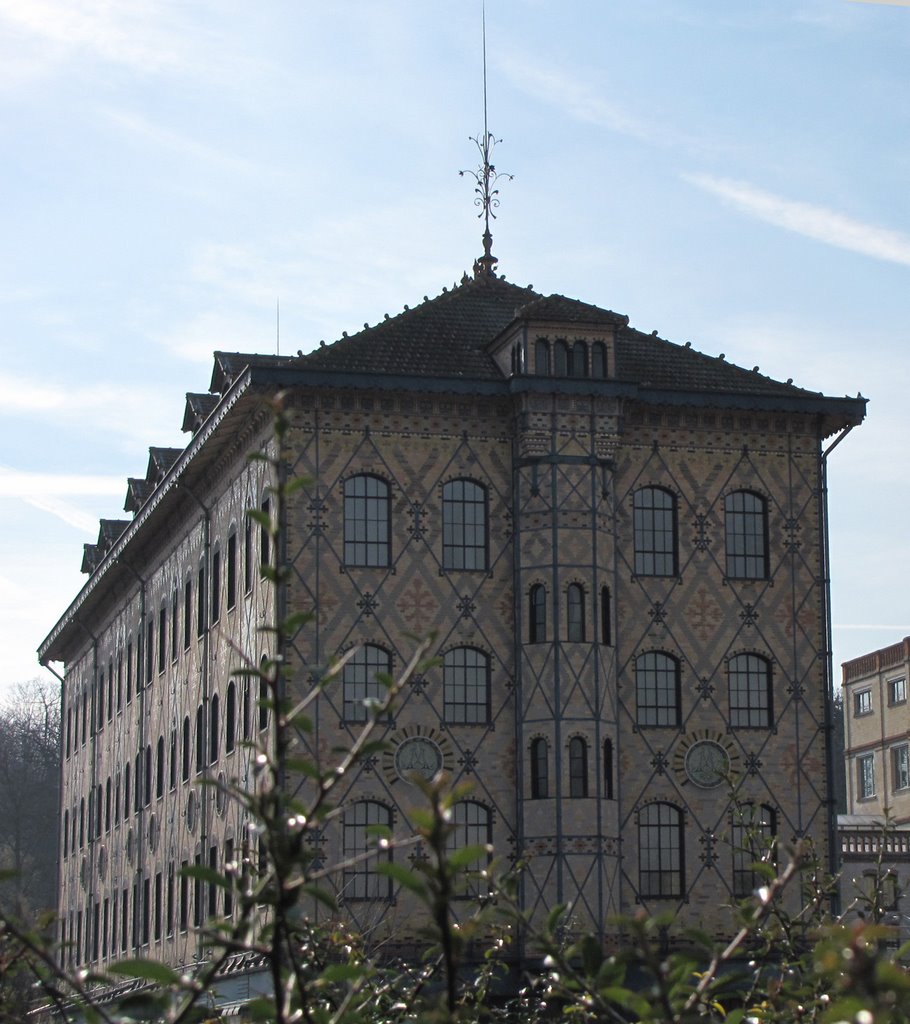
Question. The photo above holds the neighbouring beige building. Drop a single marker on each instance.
(618, 542)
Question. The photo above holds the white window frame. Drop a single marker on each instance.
(865, 776)
(862, 702)
(900, 766)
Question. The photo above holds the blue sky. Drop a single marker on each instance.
(733, 175)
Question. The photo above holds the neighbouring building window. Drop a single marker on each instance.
(746, 527)
(466, 686)
(537, 614)
(471, 826)
(660, 852)
(749, 677)
(367, 539)
(862, 702)
(361, 880)
(464, 525)
(865, 770)
(654, 523)
(900, 762)
(657, 689)
(540, 769)
(752, 837)
(897, 691)
(359, 683)
(575, 613)
(578, 767)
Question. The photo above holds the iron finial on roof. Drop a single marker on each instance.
(486, 176)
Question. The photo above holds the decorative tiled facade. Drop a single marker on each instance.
(617, 544)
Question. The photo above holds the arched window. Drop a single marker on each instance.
(540, 769)
(575, 613)
(230, 718)
(542, 357)
(598, 360)
(746, 527)
(657, 689)
(216, 585)
(200, 738)
(137, 784)
(361, 880)
(173, 761)
(127, 791)
(464, 525)
(159, 774)
(185, 764)
(654, 514)
(246, 710)
(579, 361)
(117, 799)
(187, 614)
(660, 852)
(265, 537)
(230, 582)
(471, 826)
(608, 769)
(561, 359)
(578, 767)
(466, 686)
(200, 601)
(264, 702)
(359, 682)
(214, 732)
(108, 798)
(606, 617)
(147, 779)
(66, 833)
(537, 614)
(366, 521)
(749, 676)
(82, 823)
(752, 838)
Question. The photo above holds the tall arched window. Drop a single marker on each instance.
(127, 791)
(366, 521)
(471, 826)
(214, 728)
(185, 761)
(578, 767)
(537, 614)
(361, 880)
(598, 360)
(359, 683)
(542, 357)
(608, 769)
(752, 838)
(654, 515)
(657, 689)
(200, 738)
(466, 686)
(606, 617)
(540, 769)
(660, 852)
(216, 585)
(108, 798)
(230, 718)
(264, 702)
(464, 525)
(575, 613)
(147, 776)
(579, 360)
(749, 676)
(746, 527)
(66, 833)
(561, 359)
(159, 774)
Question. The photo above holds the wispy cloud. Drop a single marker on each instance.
(818, 222)
(53, 493)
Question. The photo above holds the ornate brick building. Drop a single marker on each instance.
(619, 544)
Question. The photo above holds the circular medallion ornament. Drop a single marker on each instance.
(418, 755)
(707, 764)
